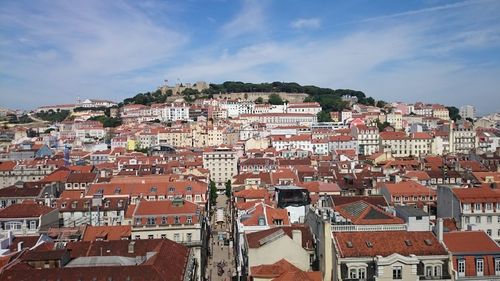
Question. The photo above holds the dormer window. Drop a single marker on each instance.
(189, 219)
(73, 204)
(177, 220)
(262, 221)
(120, 203)
(63, 205)
(106, 204)
(153, 189)
(118, 190)
(163, 220)
(189, 188)
(86, 205)
(171, 189)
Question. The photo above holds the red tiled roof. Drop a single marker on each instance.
(160, 266)
(386, 243)
(259, 193)
(7, 165)
(393, 136)
(81, 178)
(19, 192)
(408, 188)
(473, 195)
(460, 242)
(254, 238)
(164, 207)
(376, 200)
(419, 175)
(284, 271)
(25, 210)
(270, 214)
(363, 213)
(116, 232)
(59, 175)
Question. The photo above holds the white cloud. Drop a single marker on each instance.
(310, 23)
(250, 19)
(86, 49)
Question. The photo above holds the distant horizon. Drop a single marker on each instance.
(193, 82)
(438, 51)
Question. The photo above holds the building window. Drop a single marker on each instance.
(497, 266)
(163, 220)
(138, 221)
(489, 206)
(428, 271)
(489, 219)
(137, 237)
(176, 237)
(189, 236)
(466, 207)
(151, 220)
(478, 219)
(397, 272)
(461, 267)
(488, 231)
(467, 220)
(477, 206)
(177, 220)
(437, 271)
(189, 219)
(353, 273)
(32, 225)
(150, 236)
(479, 267)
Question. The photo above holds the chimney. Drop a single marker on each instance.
(131, 247)
(19, 246)
(440, 230)
(297, 236)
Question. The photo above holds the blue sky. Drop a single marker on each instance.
(430, 50)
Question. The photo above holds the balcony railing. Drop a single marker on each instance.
(442, 277)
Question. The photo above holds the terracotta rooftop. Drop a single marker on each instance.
(25, 210)
(283, 271)
(472, 194)
(460, 242)
(116, 232)
(254, 238)
(408, 188)
(386, 243)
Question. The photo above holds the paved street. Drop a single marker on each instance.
(222, 256)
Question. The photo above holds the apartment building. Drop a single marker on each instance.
(472, 208)
(402, 145)
(367, 138)
(222, 162)
(389, 255)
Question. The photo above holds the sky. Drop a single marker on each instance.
(447, 52)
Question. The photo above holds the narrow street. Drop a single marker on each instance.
(221, 262)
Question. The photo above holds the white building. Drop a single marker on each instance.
(175, 112)
(468, 111)
(222, 162)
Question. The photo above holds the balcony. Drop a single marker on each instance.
(444, 277)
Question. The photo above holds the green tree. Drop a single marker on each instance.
(259, 100)
(324, 116)
(454, 113)
(381, 103)
(275, 99)
(381, 126)
(213, 193)
(228, 188)
(245, 96)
